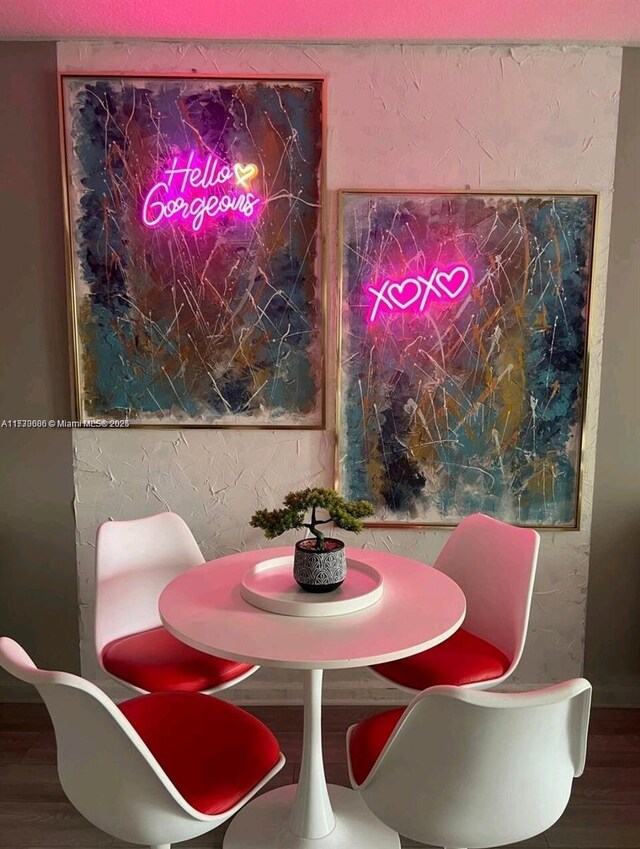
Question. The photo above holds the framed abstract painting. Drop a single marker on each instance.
(194, 219)
(463, 355)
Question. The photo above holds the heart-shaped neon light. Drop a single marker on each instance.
(441, 286)
(192, 189)
(453, 282)
(245, 173)
(404, 299)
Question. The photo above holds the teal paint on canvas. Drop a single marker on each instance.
(475, 406)
(222, 326)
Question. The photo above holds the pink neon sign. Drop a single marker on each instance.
(414, 294)
(190, 190)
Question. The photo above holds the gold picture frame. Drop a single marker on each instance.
(316, 421)
(341, 434)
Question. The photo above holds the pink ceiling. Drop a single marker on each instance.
(601, 21)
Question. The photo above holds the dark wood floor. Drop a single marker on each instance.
(604, 812)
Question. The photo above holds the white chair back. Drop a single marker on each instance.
(135, 560)
(495, 565)
(105, 768)
(467, 768)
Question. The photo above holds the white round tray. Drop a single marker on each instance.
(270, 586)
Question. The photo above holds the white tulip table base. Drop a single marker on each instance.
(418, 609)
(264, 823)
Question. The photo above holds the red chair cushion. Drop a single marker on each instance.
(156, 661)
(368, 739)
(462, 659)
(213, 752)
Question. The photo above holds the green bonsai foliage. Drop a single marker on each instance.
(344, 514)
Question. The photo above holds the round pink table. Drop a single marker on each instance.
(420, 607)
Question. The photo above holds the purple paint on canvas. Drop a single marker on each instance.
(217, 326)
(477, 407)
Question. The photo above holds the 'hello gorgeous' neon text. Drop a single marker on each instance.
(413, 294)
(191, 190)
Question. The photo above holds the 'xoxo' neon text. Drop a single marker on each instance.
(413, 294)
(191, 190)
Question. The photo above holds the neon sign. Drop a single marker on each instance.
(190, 190)
(414, 294)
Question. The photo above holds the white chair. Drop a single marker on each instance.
(462, 768)
(157, 769)
(495, 565)
(135, 560)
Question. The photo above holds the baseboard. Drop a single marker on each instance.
(275, 693)
(334, 693)
(256, 692)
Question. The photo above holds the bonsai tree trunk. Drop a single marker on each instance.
(314, 530)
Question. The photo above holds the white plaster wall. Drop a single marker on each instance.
(399, 117)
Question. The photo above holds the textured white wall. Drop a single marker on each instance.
(399, 117)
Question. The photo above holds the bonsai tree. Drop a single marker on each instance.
(344, 514)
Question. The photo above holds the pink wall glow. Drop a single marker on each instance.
(531, 21)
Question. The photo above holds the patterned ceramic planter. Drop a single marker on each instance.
(319, 571)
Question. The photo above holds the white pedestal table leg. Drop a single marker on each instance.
(310, 815)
